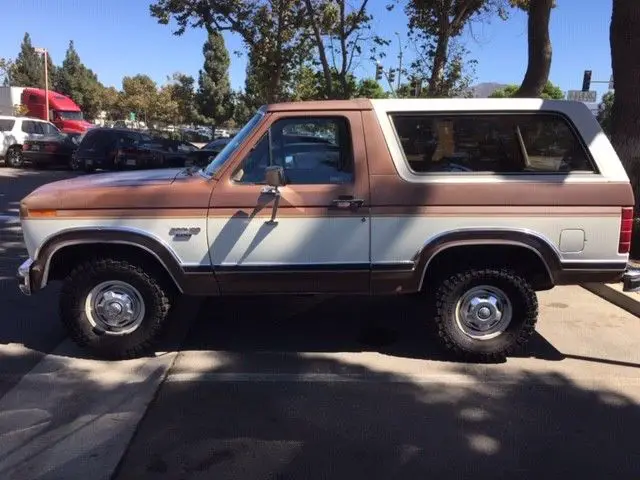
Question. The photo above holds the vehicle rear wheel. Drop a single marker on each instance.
(74, 164)
(14, 158)
(113, 308)
(485, 314)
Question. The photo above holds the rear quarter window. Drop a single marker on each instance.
(6, 125)
(542, 143)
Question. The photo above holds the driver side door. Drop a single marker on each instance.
(320, 239)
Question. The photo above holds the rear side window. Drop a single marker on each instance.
(6, 125)
(503, 144)
(27, 127)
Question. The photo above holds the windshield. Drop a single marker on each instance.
(69, 115)
(240, 137)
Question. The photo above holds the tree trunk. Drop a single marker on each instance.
(624, 36)
(322, 53)
(440, 58)
(539, 62)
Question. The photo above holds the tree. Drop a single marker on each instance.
(28, 68)
(550, 92)
(604, 111)
(112, 103)
(305, 84)
(625, 62)
(213, 97)
(434, 25)
(539, 46)
(5, 70)
(182, 90)
(139, 95)
(338, 31)
(78, 82)
(369, 88)
(270, 29)
(166, 108)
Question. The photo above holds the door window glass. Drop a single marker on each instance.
(311, 151)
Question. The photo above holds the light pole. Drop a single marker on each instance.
(399, 61)
(43, 51)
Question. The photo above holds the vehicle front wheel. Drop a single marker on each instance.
(485, 314)
(113, 308)
(14, 157)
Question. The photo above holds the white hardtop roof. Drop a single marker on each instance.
(479, 104)
(12, 117)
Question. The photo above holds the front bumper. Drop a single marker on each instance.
(631, 280)
(24, 276)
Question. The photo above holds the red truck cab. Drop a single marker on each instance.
(63, 112)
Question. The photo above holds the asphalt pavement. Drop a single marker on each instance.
(308, 387)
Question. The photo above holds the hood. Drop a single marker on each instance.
(132, 178)
(162, 188)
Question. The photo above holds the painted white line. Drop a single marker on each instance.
(10, 219)
(448, 378)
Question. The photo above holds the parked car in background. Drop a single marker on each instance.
(117, 149)
(14, 131)
(204, 155)
(52, 149)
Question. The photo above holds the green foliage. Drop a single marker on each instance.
(339, 31)
(270, 29)
(182, 92)
(435, 27)
(139, 95)
(28, 68)
(550, 92)
(369, 88)
(5, 69)
(79, 83)
(213, 98)
(604, 111)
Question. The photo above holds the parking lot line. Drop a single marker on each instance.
(10, 219)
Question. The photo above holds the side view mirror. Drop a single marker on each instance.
(274, 176)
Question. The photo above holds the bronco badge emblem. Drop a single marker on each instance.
(184, 231)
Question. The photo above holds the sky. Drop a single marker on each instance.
(117, 38)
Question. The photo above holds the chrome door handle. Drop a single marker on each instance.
(347, 203)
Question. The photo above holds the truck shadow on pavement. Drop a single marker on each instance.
(369, 424)
(396, 326)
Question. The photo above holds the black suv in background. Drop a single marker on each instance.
(118, 149)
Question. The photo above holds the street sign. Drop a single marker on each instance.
(132, 116)
(580, 96)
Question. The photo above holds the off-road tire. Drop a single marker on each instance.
(517, 333)
(86, 276)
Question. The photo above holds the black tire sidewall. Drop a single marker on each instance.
(72, 309)
(524, 312)
(14, 158)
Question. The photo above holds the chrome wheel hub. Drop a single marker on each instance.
(483, 312)
(115, 307)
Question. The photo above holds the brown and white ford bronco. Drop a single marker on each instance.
(474, 204)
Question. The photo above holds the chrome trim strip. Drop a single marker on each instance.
(24, 274)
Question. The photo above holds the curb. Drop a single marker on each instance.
(613, 293)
